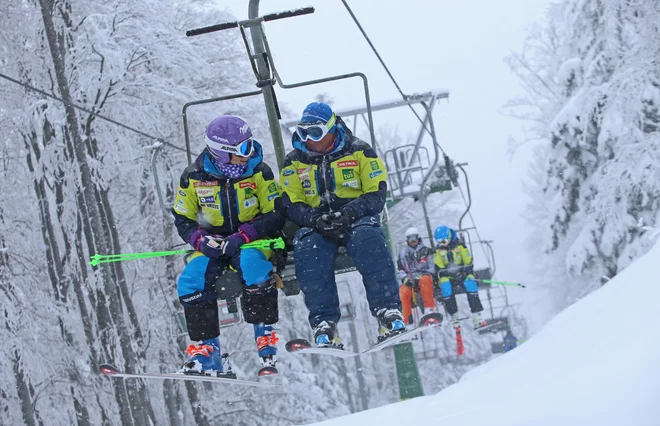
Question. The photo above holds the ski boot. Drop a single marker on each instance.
(266, 341)
(326, 336)
(206, 360)
(455, 321)
(391, 323)
(478, 321)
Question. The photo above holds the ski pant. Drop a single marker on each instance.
(314, 260)
(406, 294)
(197, 292)
(449, 299)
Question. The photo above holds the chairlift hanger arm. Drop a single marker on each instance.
(250, 22)
(469, 194)
(436, 148)
(362, 76)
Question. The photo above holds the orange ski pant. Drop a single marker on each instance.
(406, 295)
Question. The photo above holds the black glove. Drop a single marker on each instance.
(407, 281)
(332, 225)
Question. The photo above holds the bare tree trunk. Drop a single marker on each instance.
(97, 229)
(25, 392)
(82, 415)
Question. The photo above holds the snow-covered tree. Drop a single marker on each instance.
(592, 85)
(75, 184)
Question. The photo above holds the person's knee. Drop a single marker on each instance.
(254, 266)
(471, 285)
(305, 235)
(366, 231)
(405, 292)
(307, 242)
(192, 287)
(445, 288)
(426, 281)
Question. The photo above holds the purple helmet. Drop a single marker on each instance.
(224, 134)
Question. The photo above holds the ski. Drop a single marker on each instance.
(302, 346)
(267, 371)
(399, 338)
(111, 371)
(460, 347)
(491, 326)
(432, 318)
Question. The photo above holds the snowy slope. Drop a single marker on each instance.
(593, 364)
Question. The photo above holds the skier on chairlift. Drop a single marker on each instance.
(510, 341)
(334, 189)
(416, 271)
(226, 199)
(454, 262)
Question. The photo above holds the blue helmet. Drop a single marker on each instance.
(443, 235)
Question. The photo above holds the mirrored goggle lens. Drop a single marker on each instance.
(314, 133)
(246, 147)
(413, 237)
(443, 242)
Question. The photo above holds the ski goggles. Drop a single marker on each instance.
(243, 149)
(412, 237)
(315, 131)
(443, 242)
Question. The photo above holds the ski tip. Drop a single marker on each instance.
(430, 320)
(296, 345)
(108, 369)
(268, 371)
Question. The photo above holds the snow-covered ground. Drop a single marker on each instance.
(596, 363)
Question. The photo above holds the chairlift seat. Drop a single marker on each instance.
(229, 287)
(483, 274)
(497, 348)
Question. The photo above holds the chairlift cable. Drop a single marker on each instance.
(403, 95)
(42, 92)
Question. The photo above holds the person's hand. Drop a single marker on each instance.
(233, 243)
(407, 281)
(332, 225)
(324, 226)
(209, 246)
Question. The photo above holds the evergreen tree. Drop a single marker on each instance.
(592, 82)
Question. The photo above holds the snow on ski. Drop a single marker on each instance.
(399, 338)
(302, 346)
(111, 371)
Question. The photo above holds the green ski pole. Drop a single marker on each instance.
(502, 283)
(107, 258)
(277, 243)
